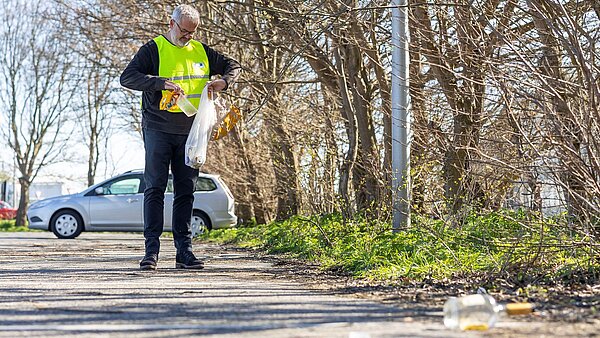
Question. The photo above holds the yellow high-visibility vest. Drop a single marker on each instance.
(187, 66)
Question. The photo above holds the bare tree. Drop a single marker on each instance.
(567, 71)
(37, 87)
(96, 119)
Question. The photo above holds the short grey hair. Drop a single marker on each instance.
(185, 11)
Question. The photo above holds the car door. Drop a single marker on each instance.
(118, 204)
(203, 185)
(204, 195)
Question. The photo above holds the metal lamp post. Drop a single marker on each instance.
(400, 116)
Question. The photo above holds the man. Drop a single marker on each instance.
(173, 62)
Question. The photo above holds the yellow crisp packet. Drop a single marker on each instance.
(168, 100)
(228, 122)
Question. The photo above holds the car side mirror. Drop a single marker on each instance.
(99, 191)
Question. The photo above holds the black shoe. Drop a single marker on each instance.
(149, 262)
(187, 260)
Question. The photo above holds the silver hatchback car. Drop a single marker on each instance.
(117, 205)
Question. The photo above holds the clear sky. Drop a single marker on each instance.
(125, 152)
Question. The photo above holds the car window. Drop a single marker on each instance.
(125, 186)
(170, 185)
(202, 184)
(205, 184)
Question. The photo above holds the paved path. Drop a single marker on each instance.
(90, 286)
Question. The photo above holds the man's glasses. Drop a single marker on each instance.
(184, 31)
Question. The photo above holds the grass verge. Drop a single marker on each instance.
(9, 226)
(504, 244)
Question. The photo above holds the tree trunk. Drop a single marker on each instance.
(420, 119)
(464, 97)
(284, 163)
(347, 111)
(256, 201)
(368, 168)
(21, 219)
(92, 158)
(566, 129)
(330, 167)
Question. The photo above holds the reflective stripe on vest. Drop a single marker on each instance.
(187, 66)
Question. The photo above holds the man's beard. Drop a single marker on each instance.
(180, 43)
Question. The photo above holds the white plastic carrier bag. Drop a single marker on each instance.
(200, 134)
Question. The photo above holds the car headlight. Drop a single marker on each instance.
(39, 204)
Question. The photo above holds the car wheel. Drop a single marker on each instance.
(200, 223)
(66, 224)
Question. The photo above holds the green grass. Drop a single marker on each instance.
(9, 226)
(498, 244)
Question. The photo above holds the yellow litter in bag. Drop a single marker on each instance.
(228, 122)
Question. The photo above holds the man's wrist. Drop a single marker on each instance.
(161, 83)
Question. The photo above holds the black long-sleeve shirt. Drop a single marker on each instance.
(142, 74)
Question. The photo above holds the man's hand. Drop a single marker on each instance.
(216, 86)
(174, 87)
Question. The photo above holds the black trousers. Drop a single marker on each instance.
(162, 150)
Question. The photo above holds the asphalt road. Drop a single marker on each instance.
(91, 286)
